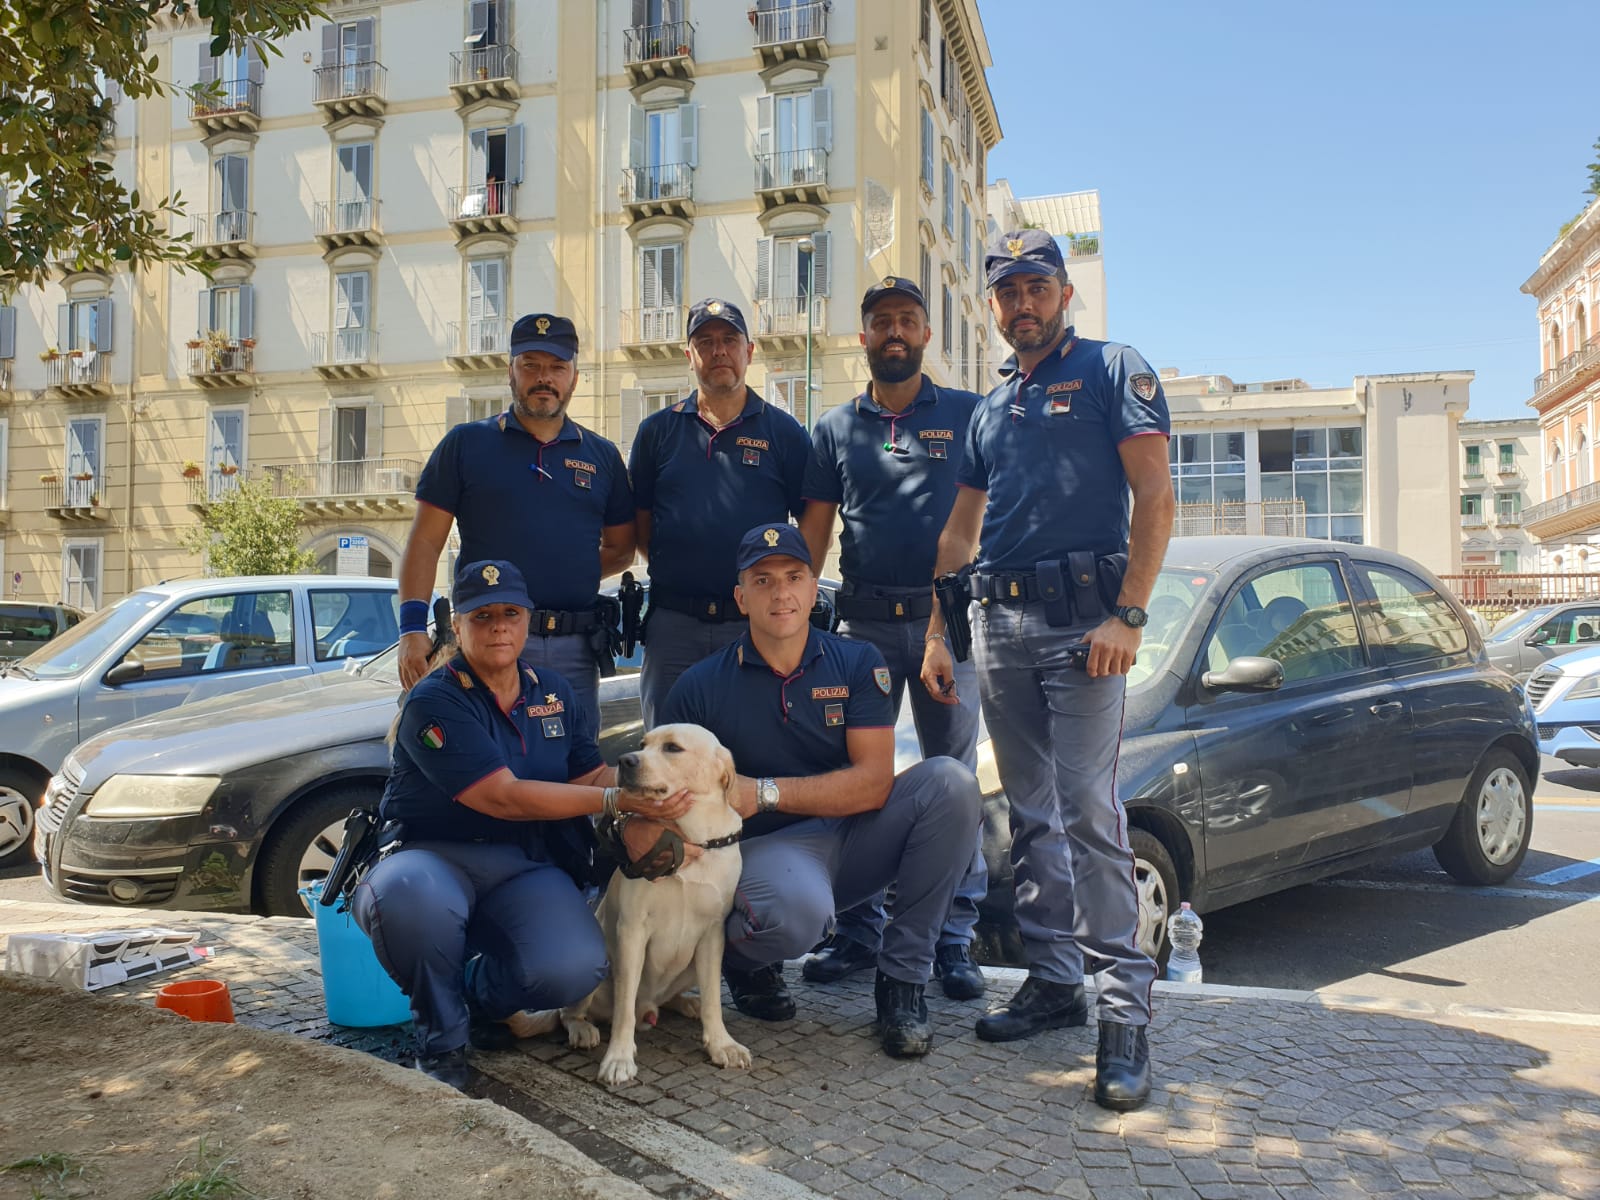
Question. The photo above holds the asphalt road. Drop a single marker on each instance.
(1402, 930)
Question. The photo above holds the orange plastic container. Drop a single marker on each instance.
(198, 999)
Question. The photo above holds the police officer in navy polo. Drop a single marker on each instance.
(479, 912)
(703, 470)
(887, 463)
(1052, 455)
(533, 486)
(806, 715)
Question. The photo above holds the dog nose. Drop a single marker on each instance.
(629, 761)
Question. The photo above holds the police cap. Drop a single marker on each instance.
(716, 310)
(547, 332)
(764, 541)
(488, 581)
(892, 285)
(1023, 252)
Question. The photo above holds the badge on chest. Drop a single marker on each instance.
(550, 715)
(750, 450)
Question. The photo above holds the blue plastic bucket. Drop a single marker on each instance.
(356, 990)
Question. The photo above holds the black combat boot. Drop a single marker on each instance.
(840, 957)
(902, 1018)
(1037, 1006)
(953, 966)
(448, 1066)
(760, 993)
(1122, 1067)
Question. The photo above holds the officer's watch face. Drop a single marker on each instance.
(720, 355)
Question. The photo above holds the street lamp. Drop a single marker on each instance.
(809, 249)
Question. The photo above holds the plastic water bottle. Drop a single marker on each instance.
(1184, 931)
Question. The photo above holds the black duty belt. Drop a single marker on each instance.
(711, 609)
(1006, 587)
(881, 605)
(551, 622)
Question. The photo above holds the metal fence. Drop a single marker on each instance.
(789, 168)
(799, 23)
(485, 63)
(1273, 518)
(1493, 592)
(349, 80)
(674, 39)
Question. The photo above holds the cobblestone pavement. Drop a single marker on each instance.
(1270, 1095)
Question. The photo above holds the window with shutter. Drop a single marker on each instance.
(949, 213)
(353, 187)
(927, 149)
(8, 331)
(486, 305)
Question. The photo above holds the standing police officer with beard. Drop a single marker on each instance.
(1051, 456)
(887, 461)
(536, 488)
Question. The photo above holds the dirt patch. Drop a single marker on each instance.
(127, 1091)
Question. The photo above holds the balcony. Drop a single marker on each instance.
(230, 106)
(1509, 473)
(1473, 471)
(78, 374)
(789, 33)
(480, 345)
(664, 190)
(345, 353)
(346, 223)
(653, 333)
(1567, 375)
(482, 208)
(659, 51)
(487, 73)
(79, 496)
(226, 234)
(1474, 520)
(207, 488)
(792, 177)
(1508, 520)
(788, 322)
(218, 361)
(5, 374)
(367, 486)
(351, 90)
(1577, 511)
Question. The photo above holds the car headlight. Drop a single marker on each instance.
(1584, 689)
(151, 796)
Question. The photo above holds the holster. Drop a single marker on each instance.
(631, 595)
(954, 593)
(824, 613)
(356, 854)
(605, 639)
(1080, 589)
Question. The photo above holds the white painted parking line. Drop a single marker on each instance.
(1497, 893)
(1575, 870)
(1561, 806)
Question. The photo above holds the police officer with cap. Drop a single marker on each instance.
(828, 824)
(534, 487)
(887, 463)
(479, 913)
(703, 470)
(1051, 457)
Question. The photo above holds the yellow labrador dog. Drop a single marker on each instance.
(664, 936)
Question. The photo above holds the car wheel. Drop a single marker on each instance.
(1157, 880)
(1488, 837)
(301, 847)
(19, 797)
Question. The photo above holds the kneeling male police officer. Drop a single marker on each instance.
(479, 912)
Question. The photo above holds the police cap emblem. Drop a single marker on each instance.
(714, 307)
(491, 575)
(1015, 246)
(889, 281)
(770, 537)
(542, 325)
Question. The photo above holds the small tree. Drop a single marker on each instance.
(249, 531)
(1594, 173)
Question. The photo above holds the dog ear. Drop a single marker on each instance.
(730, 776)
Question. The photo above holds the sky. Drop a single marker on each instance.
(1310, 190)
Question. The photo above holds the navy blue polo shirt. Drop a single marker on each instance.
(781, 726)
(1044, 447)
(454, 733)
(894, 503)
(704, 488)
(542, 505)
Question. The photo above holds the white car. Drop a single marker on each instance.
(1565, 695)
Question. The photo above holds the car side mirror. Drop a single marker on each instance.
(125, 671)
(1535, 639)
(1247, 673)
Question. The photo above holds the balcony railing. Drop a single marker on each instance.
(479, 345)
(351, 81)
(481, 200)
(791, 316)
(650, 43)
(344, 348)
(369, 477)
(5, 374)
(1472, 471)
(1273, 518)
(229, 227)
(86, 370)
(790, 169)
(75, 491)
(483, 65)
(232, 98)
(1509, 470)
(664, 181)
(1474, 520)
(1579, 360)
(230, 356)
(796, 23)
(1508, 520)
(346, 221)
(1581, 497)
(214, 484)
(653, 326)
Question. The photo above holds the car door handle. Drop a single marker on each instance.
(1388, 710)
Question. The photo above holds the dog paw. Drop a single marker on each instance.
(533, 1024)
(685, 1005)
(582, 1035)
(614, 1072)
(729, 1054)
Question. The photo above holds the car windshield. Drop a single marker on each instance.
(384, 665)
(1523, 622)
(67, 655)
(28, 624)
(1171, 606)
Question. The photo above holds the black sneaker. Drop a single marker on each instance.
(760, 993)
(1122, 1067)
(953, 966)
(902, 1017)
(448, 1066)
(1037, 1006)
(840, 957)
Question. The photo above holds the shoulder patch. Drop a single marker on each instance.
(880, 676)
(431, 737)
(1143, 385)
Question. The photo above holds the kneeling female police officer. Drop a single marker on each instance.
(496, 774)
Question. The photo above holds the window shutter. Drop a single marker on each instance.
(102, 325)
(8, 332)
(494, 289)
(821, 264)
(478, 23)
(649, 278)
(247, 310)
(927, 148)
(474, 294)
(764, 269)
(477, 157)
(254, 68)
(208, 64)
(374, 447)
(641, 12)
(669, 276)
(632, 415)
(341, 301)
(325, 435)
(366, 29)
(203, 323)
(636, 122)
(689, 132)
(514, 154)
(763, 124)
(822, 118)
(330, 45)
(457, 409)
(64, 327)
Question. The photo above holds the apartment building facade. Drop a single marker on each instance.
(1566, 396)
(1501, 480)
(388, 193)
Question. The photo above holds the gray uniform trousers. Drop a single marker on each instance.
(674, 642)
(1056, 735)
(943, 730)
(431, 906)
(795, 877)
(569, 656)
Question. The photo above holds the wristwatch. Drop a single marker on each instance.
(1131, 615)
(767, 795)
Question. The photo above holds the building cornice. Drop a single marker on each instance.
(1568, 250)
(971, 49)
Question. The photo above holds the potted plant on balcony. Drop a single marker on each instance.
(83, 476)
(248, 343)
(49, 354)
(191, 469)
(74, 353)
(219, 348)
(194, 343)
(683, 49)
(94, 499)
(49, 477)
(228, 469)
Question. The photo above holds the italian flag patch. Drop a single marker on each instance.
(432, 737)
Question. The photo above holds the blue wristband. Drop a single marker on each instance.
(413, 616)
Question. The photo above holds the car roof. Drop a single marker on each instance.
(1213, 553)
(231, 583)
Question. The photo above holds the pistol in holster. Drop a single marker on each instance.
(631, 594)
(356, 855)
(605, 639)
(953, 591)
